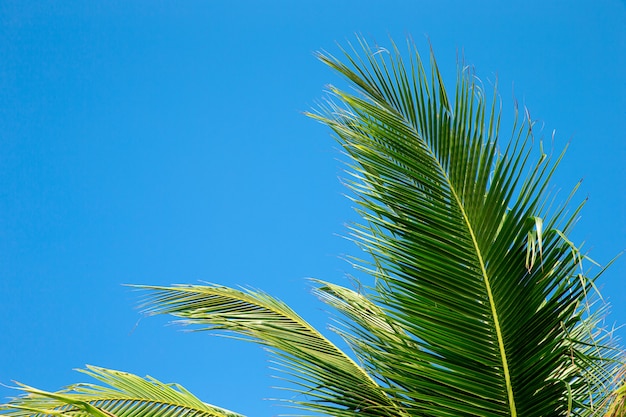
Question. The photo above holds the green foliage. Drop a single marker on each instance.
(453, 226)
(122, 395)
(326, 374)
(480, 305)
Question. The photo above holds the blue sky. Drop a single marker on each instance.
(163, 142)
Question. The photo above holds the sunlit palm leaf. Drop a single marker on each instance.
(122, 395)
(371, 332)
(328, 379)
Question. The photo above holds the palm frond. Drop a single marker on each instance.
(328, 380)
(453, 225)
(617, 400)
(122, 395)
(370, 331)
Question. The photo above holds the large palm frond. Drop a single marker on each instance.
(468, 258)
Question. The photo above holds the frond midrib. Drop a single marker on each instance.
(292, 317)
(479, 257)
(485, 276)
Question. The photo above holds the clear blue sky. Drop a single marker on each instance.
(163, 142)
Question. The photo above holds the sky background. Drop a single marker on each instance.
(160, 142)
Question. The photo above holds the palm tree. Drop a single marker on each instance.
(479, 305)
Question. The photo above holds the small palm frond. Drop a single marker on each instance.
(369, 330)
(328, 379)
(122, 395)
(471, 261)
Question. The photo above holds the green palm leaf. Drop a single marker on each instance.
(447, 220)
(122, 395)
(332, 381)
